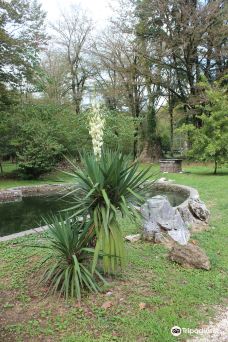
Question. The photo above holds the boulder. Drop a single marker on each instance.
(160, 218)
(190, 256)
(199, 209)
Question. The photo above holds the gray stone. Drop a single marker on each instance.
(160, 218)
(199, 209)
(24, 233)
(190, 256)
(10, 195)
(186, 215)
(193, 211)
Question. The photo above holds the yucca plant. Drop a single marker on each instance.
(106, 187)
(68, 263)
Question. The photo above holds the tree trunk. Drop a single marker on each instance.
(171, 131)
(150, 153)
(152, 147)
(77, 106)
(135, 145)
(154, 143)
(171, 107)
(216, 166)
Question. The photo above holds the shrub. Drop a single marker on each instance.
(105, 188)
(38, 151)
(68, 267)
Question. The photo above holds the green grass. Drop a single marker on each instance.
(10, 179)
(173, 295)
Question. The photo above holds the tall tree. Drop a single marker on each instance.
(182, 40)
(181, 31)
(118, 75)
(54, 81)
(22, 35)
(210, 141)
(73, 37)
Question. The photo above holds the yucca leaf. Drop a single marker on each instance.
(77, 283)
(140, 198)
(96, 253)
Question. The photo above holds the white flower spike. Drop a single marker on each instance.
(96, 131)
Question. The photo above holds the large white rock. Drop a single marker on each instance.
(160, 218)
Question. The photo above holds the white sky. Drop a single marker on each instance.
(98, 9)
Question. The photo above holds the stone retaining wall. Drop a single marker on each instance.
(171, 165)
(10, 195)
(16, 194)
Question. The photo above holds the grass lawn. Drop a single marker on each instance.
(173, 295)
(9, 180)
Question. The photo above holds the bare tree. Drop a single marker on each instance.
(55, 81)
(73, 37)
(118, 75)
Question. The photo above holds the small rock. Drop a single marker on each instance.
(199, 210)
(107, 305)
(190, 256)
(142, 306)
(109, 293)
(133, 238)
(163, 179)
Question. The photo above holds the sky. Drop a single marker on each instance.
(98, 9)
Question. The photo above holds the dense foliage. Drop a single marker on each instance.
(210, 141)
(38, 151)
(22, 35)
(147, 61)
(39, 135)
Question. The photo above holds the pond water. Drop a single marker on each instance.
(29, 213)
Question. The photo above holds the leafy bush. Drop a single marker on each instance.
(38, 151)
(106, 187)
(68, 267)
(36, 131)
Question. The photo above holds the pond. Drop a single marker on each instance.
(29, 213)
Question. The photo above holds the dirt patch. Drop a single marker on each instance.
(216, 330)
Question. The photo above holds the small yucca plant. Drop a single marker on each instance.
(68, 263)
(105, 188)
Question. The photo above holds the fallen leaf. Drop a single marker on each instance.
(142, 306)
(107, 305)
